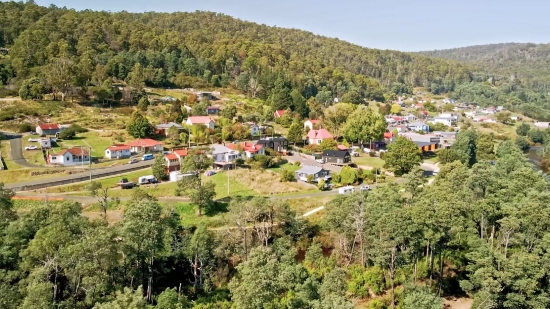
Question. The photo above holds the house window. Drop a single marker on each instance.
(68, 158)
(319, 141)
(54, 158)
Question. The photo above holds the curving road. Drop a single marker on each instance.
(16, 149)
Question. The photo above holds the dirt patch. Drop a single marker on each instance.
(267, 182)
(458, 303)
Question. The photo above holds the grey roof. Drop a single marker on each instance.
(219, 149)
(415, 124)
(422, 144)
(335, 153)
(309, 170)
(169, 125)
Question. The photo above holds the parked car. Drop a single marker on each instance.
(321, 161)
(148, 156)
(33, 140)
(209, 173)
(367, 150)
(143, 180)
(365, 188)
(124, 183)
(133, 160)
(435, 172)
(328, 177)
(31, 148)
(354, 153)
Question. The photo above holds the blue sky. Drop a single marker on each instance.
(407, 25)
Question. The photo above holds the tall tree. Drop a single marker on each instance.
(402, 156)
(139, 126)
(335, 116)
(364, 125)
(61, 76)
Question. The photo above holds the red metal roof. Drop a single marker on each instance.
(146, 142)
(388, 135)
(74, 151)
(181, 152)
(49, 126)
(246, 146)
(342, 147)
(118, 147)
(321, 133)
(279, 113)
(171, 156)
(200, 119)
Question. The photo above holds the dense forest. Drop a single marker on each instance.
(477, 230)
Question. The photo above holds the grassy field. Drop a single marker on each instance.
(287, 166)
(106, 182)
(366, 160)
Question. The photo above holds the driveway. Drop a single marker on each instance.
(295, 157)
(16, 149)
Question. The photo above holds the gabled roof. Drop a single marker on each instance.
(74, 151)
(388, 135)
(275, 139)
(200, 119)
(335, 153)
(309, 170)
(171, 156)
(119, 147)
(247, 146)
(181, 152)
(279, 113)
(416, 124)
(342, 147)
(321, 133)
(219, 149)
(145, 142)
(49, 126)
(168, 125)
(314, 121)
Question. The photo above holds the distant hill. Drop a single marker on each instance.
(526, 61)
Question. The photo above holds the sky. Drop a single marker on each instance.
(406, 25)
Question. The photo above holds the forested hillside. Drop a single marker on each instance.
(201, 49)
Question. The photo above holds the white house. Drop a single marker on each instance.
(118, 152)
(311, 123)
(45, 142)
(201, 120)
(70, 156)
(315, 137)
(223, 154)
(448, 119)
(249, 149)
(410, 117)
(542, 125)
(418, 126)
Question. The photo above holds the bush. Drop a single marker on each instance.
(336, 177)
(287, 176)
(321, 185)
(261, 162)
(297, 163)
(24, 127)
(67, 133)
(310, 178)
(78, 129)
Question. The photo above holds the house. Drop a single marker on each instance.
(181, 154)
(306, 170)
(542, 125)
(315, 137)
(213, 110)
(69, 157)
(448, 121)
(163, 128)
(278, 144)
(410, 117)
(426, 146)
(311, 123)
(224, 157)
(254, 128)
(48, 129)
(515, 118)
(145, 145)
(172, 162)
(388, 136)
(248, 148)
(118, 152)
(339, 157)
(418, 126)
(425, 142)
(204, 94)
(279, 113)
(479, 118)
(342, 147)
(45, 142)
(201, 120)
(189, 109)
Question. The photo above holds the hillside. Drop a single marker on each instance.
(202, 48)
(525, 61)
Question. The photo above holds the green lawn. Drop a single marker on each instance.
(287, 166)
(189, 214)
(235, 188)
(366, 160)
(107, 182)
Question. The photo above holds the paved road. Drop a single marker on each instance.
(16, 149)
(96, 173)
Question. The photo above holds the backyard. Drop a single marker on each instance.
(368, 161)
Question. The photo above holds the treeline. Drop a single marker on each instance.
(65, 49)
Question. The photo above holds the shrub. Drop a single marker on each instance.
(67, 133)
(321, 185)
(287, 176)
(336, 177)
(78, 129)
(310, 178)
(24, 127)
(297, 163)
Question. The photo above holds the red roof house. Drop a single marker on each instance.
(201, 120)
(317, 136)
(145, 145)
(172, 162)
(311, 123)
(279, 113)
(250, 149)
(48, 128)
(118, 151)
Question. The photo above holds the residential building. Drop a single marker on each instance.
(410, 117)
(204, 94)
(250, 150)
(145, 145)
(48, 129)
(254, 128)
(45, 142)
(279, 113)
(311, 123)
(163, 128)
(515, 118)
(338, 157)
(425, 142)
(224, 156)
(213, 110)
(69, 157)
(181, 154)
(172, 162)
(317, 173)
(201, 120)
(118, 152)
(542, 125)
(315, 137)
(278, 144)
(418, 126)
(446, 120)
(189, 109)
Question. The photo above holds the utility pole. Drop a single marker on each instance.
(227, 183)
(90, 160)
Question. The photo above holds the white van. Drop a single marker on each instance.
(144, 180)
(346, 190)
